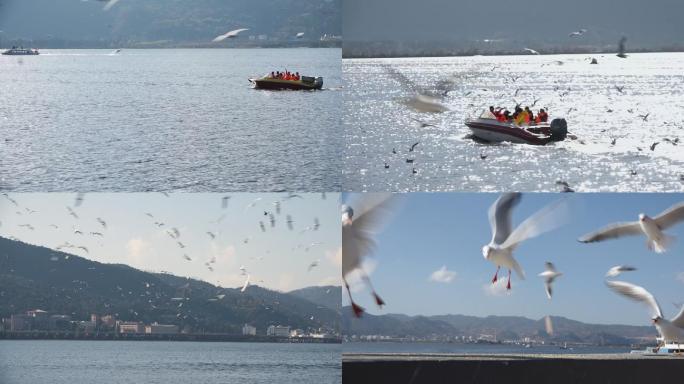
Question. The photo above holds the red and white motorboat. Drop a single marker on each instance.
(487, 128)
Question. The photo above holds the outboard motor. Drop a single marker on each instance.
(559, 129)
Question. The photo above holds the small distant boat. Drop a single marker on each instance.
(667, 349)
(487, 128)
(305, 83)
(21, 52)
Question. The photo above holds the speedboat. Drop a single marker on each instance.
(488, 129)
(21, 52)
(670, 348)
(305, 83)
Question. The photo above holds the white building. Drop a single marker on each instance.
(161, 329)
(248, 330)
(131, 327)
(278, 331)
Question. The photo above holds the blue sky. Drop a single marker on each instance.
(277, 258)
(429, 231)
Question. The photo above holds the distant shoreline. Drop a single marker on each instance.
(45, 335)
(435, 54)
(168, 45)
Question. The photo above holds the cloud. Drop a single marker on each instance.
(442, 275)
(138, 251)
(497, 289)
(331, 280)
(335, 257)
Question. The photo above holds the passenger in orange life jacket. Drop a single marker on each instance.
(542, 117)
(529, 117)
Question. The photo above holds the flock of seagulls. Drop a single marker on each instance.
(97, 229)
(362, 221)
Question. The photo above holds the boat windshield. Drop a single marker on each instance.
(486, 114)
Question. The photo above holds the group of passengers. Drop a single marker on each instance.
(520, 116)
(287, 75)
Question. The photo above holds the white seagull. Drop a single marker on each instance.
(550, 274)
(230, 34)
(578, 33)
(651, 227)
(618, 269)
(359, 228)
(504, 241)
(669, 330)
(532, 51)
(109, 5)
(300, 35)
(244, 287)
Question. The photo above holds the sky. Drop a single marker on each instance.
(443, 234)
(278, 258)
(446, 20)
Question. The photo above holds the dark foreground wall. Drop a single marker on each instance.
(358, 370)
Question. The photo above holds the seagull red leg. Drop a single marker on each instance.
(358, 310)
(377, 298)
(508, 286)
(496, 275)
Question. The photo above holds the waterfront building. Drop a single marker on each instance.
(131, 327)
(248, 330)
(278, 331)
(161, 329)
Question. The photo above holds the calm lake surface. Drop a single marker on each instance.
(392, 347)
(646, 109)
(75, 362)
(168, 120)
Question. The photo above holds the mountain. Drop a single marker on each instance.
(131, 22)
(327, 296)
(505, 327)
(33, 277)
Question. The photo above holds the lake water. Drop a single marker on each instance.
(437, 348)
(75, 362)
(168, 120)
(376, 121)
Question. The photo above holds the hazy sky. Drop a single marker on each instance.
(432, 231)
(445, 20)
(278, 256)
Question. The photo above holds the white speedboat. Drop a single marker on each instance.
(487, 128)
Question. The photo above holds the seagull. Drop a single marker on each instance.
(669, 330)
(300, 35)
(413, 146)
(262, 226)
(358, 231)
(504, 241)
(577, 33)
(72, 213)
(317, 224)
(186, 257)
(549, 275)
(654, 145)
(618, 269)
(313, 265)
(229, 35)
(651, 227)
(109, 5)
(426, 104)
(644, 117)
(244, 287)
(213, 236)
(102, 223)
(531, 51)
(289, 222)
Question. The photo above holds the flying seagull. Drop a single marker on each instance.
(618, 269)
(669, 330)
(109, 5)
(229, 35)
(651, 227)
(550, 274)
(244, 287)
(504, 240)
(359, 228)
(532, 51)
(578, 33)
(300, 35)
